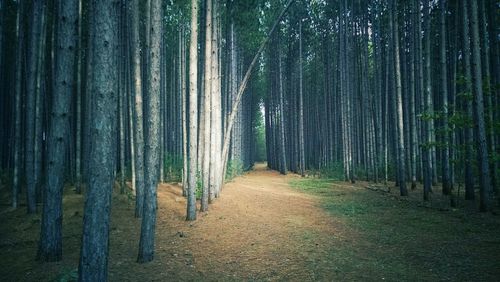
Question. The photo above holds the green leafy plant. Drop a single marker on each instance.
(172, 168)
(234, 168)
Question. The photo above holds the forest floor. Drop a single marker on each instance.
(267, 227)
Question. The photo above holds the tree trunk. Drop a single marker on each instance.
(193, 113)
(301, 107)
(18, 109)
(444, 86)
(399, 114)
(485, 181)
(135, 46)
(33, 53)
(469, 133)
(207, 107)
(50, 246)
(95, 239)
(152, 133)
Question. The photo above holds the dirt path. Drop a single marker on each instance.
(263, 230)
(260, 229)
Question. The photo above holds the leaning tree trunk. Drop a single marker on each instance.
(50, 245)
(93, 264)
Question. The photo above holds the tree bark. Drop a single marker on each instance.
(135, 46)
(482, 154)
(193, 113)
(95, 239)
(152, 142)
(50, 246)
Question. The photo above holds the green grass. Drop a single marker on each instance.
(398, 240)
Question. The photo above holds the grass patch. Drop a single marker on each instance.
(398, 240)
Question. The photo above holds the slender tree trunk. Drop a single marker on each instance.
(135, 46)
(18, 109)
(399, 114)
(444, 86)
(485, 180)
(469, 132)
(207, 107)
(33, 51)
(428, 106)
(301, 107)
(152, 142)
(184, 121)
(78, 123)
(193, 113)
(413, 117)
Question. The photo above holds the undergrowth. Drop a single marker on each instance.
(234, 168)
(399, 240)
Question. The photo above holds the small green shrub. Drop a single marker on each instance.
(331, 171)
(199, 185)
(234, 168)
(172, 168)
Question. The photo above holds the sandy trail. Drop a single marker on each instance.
(259, 229)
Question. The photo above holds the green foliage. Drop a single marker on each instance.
(429, 115)
(461, 120)
(331, 171)
(260, 139)
(67, 276)
(234, 168)
(4, 177)
(199, 185)
(172, 168)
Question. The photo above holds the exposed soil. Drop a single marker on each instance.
(260, 229)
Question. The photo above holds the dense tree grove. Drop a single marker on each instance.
(97, 94)
(388, 90)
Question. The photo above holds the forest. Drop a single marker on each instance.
(259, 140)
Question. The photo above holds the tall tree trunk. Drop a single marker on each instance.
(427, 108)
(301, 107)
(485, 180)
(152, 143)
(399, 114)
(444, 89)
(184, 119)
(78, 123)
(18, 109)
(469, 132)
(135, 46)
(50, 245)
(93, 264)
(193, 113)
(207, 107)
(33, 53)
